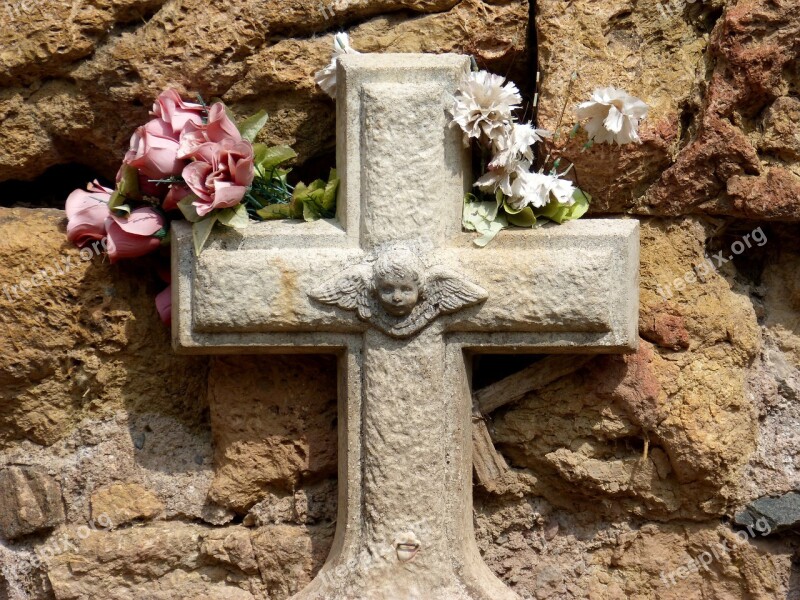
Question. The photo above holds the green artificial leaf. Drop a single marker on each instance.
(234, 217)
(318, 199)
(561, 213)
(310, 213)
(276, 211)
(123, 208)
(510, 210)
(127, 188)
(483, 218)
(268, 157)
(523, 218)
(188, 209)
(329, 195)
(200, 232)
(581, 206)
(252, 126)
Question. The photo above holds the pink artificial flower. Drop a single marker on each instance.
(133, 236)
(220, 174)
(218, 128)
(87, 212)
(176, 193)
(147, 187)
(164, 305)
(170, 108)
(153, 190)
(154, 151)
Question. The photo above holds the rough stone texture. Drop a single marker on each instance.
(295, 446)
(155, 561)
(721, 80)
(31, 501)
(65, 76)
(725, 352)
(123, 503)
(779, 513)
(81, 340)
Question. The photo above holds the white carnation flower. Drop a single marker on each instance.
(501, 178)
(562, 190)
(613, 116)
(326, 78)
(534, 189)
(515, 144)
(483, 105)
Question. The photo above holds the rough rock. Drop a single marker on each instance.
(67, 78)
(152, 561)
(660, 432)
(665, 328)
(30, 501)
(289, 556)
(779, 513)
(123, 503)
(720, 137)
(314, 504)
(546, 553)
(752, 48)
(296, 444)
(87, 339)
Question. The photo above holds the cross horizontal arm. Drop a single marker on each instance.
(574, 285)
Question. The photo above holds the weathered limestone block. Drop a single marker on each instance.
(274, 424)
(665, 431)
(85, 335)
(88, 69)
(546, 553)
(290, 556)
(231, 546)
(30, 501)
(122, 503)
(751, 50)
(154, 561)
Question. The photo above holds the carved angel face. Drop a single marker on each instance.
(397, 293)
(397, 282)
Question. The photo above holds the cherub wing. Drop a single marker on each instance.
(349, 291)
(450, 291)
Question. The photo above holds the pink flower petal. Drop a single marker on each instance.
(164, 305)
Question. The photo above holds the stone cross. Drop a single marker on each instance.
(398, 291)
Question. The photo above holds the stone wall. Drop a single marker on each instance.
(138, 473)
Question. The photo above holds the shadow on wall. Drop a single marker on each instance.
(50, 189)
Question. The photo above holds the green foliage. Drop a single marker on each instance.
(561, 213)
(318, 199)
(484, 218)
(235, 217)
(127, 190)
(252, 126)
(201, 230)
(188, 209)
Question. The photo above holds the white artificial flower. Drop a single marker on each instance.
(534, 189)
(515, 144)
(502, 178)
(613, 116)
(326, 78)
(562, 190)
(483, 105)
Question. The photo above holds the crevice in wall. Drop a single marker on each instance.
(50, 189)
(533, 55)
